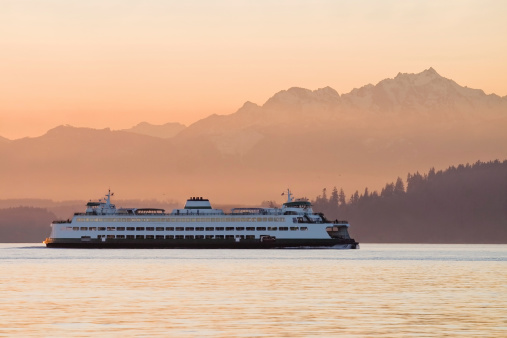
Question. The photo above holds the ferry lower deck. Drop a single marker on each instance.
(201, 243)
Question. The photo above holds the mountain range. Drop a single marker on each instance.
(299, 138)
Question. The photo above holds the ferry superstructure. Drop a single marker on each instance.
(198, 225)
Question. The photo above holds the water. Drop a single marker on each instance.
(379, 290)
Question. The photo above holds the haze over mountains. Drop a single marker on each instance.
(167, 130)
(299, 138)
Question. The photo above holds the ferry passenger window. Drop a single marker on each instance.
(261, 228)
(93, 229)
(120, 229)
(283, 228)
(102, 229)
(229, 236)
(150, 237)
(130, 228)
(169, 237)
(229, 229)
(189, 229)
(210, 229)
(199, 236)
(159, 237)
(180, 228)
(84, 228)
(110, 236)
(250, 236)
(169, 229)
(160, 228)
(140, 229)
(294, 228)
(240, 228)
(120, 236)
(189, 237)
(250, 228)
(199, 229)
(303, 228)
(75, 228)
(139, 236)
(272, 228)
(219, 228)
(130, 236)
(219, 236)
(150, 229)
(209, 236)
(111, 228)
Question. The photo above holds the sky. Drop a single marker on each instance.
(116, 63)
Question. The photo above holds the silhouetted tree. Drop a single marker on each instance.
(333, 200)
(354, 198)
(342, 199)
(388, 190)
(366, 193)
(414, 182)
(431, 174)
(399, 187)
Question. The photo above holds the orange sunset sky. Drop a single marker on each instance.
(115, 63)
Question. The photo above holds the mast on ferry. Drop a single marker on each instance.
(108, 200)
(289, 196)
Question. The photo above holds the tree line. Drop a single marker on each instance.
(462, 204)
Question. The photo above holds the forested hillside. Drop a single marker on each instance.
(463, 204)
(25, 224)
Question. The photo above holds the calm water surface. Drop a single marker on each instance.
(380, 290)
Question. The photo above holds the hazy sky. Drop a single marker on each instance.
(115, 63)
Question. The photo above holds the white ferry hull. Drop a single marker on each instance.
(201, 243)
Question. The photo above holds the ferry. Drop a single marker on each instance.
(198, 225)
